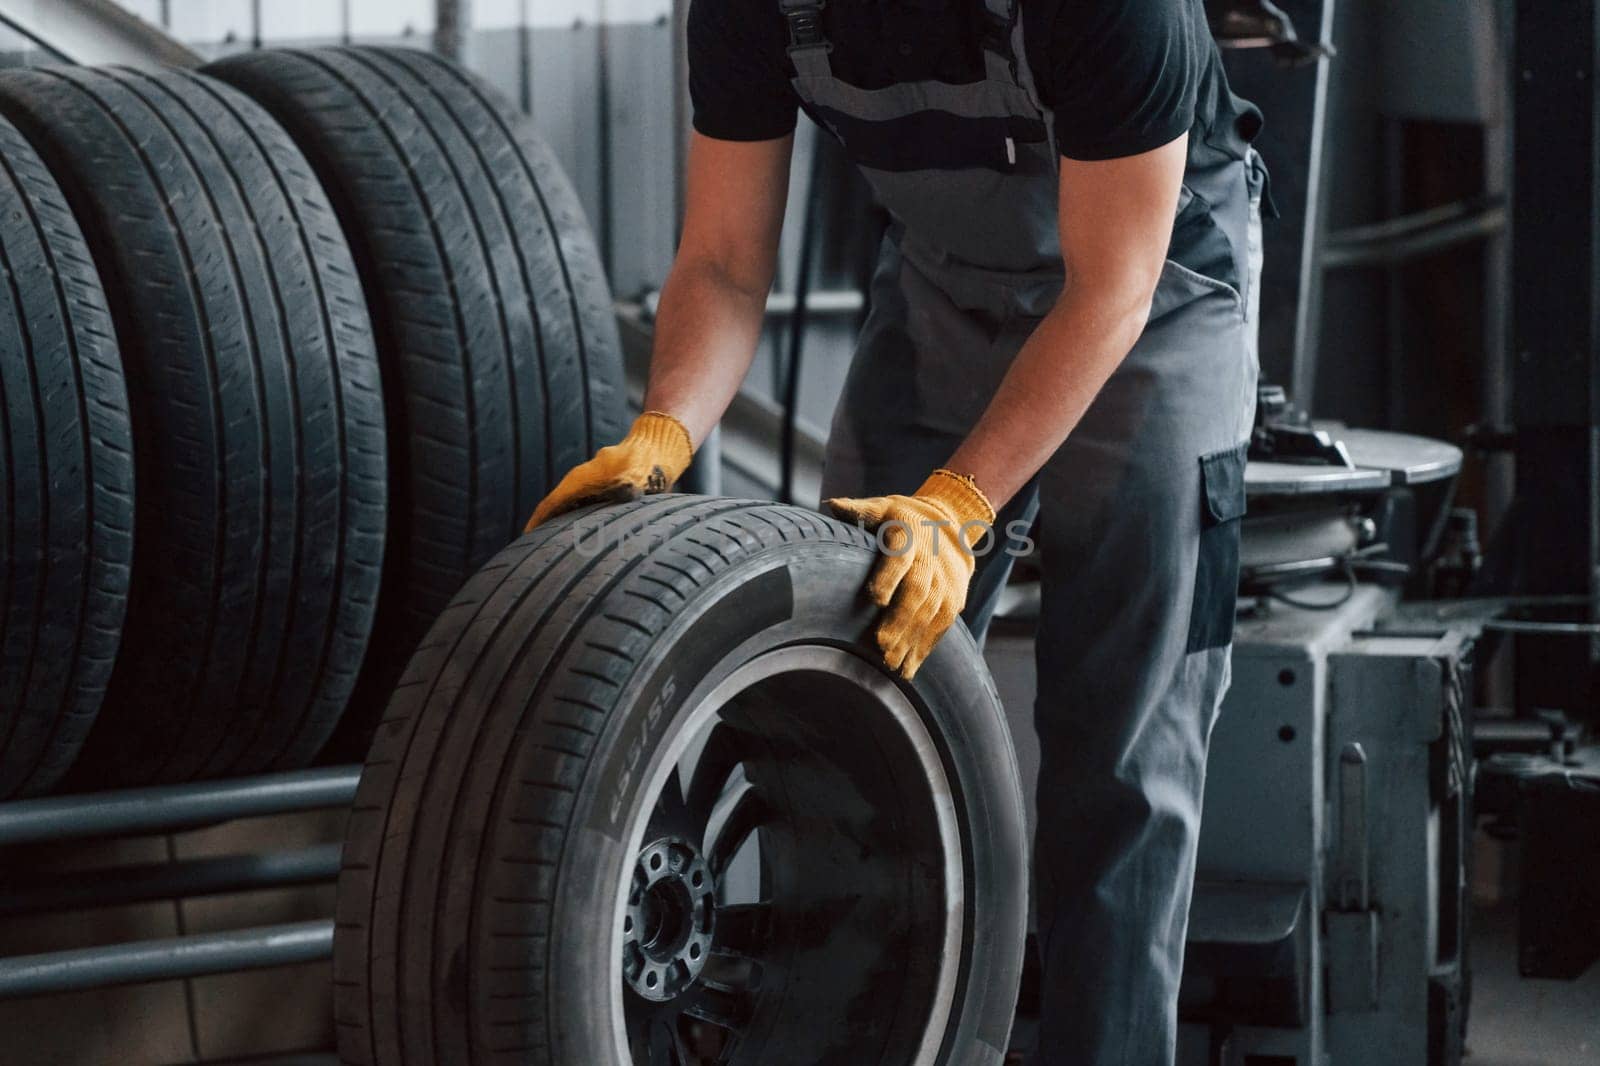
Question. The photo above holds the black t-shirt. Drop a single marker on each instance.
(1122, 76)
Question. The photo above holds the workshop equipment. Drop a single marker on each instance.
(1329, 920)
(1550, 803)
(1330, 500)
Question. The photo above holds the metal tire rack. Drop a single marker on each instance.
(165, 809)
(97, 31)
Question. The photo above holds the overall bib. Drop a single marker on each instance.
(1136, 517)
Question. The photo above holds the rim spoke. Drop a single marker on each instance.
(641, 1046)
(747, 814)
(680, 1050)
(666, 1047)
(723, 1006)
(658, 1044)
(743, 930)
(716, 764)
(671, 815)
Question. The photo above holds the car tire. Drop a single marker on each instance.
(501, 359)
(66, 479)
(585, 743)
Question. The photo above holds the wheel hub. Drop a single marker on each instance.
(666, 930)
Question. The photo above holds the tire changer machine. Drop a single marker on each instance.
(1330, 911)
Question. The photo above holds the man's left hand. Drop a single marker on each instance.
(927, 543)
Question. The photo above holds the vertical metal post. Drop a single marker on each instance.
(1494, 674)
(1308, 313)
(1500, 137)
(603, 107)
(525, 58)
(255, 24)
(1554, 313)
(682, 109)
(452, 29)
(1295, 102)
(346, 34)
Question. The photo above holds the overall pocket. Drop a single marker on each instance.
(1216, 578)
(1200, 261)
(1201, 247)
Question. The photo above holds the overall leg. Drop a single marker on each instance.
(1138, 534)
(923, 373)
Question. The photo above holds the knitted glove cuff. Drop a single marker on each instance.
(960, 493)
(666, 437)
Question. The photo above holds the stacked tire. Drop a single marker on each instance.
(66, 479)
(254, 393)
(492, 314)
(269, 392)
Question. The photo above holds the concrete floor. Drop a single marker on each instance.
(1518, 1022)
(1514, 1022)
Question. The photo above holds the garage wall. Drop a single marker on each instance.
(598, 78)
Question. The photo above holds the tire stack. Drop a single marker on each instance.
(288, 349)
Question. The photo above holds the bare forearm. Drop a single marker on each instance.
(1050, 385)
(706, 336)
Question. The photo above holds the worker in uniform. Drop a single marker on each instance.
(1060, 339)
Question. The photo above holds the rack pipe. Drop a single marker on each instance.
(166, 959)
(164, 808)
(182, 879)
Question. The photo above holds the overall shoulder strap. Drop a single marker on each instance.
(808, 41)
(999, 25)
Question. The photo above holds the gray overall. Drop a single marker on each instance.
(1137, 514)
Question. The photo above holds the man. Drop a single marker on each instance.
(1060, 329)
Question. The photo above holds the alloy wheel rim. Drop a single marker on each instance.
(744, 795)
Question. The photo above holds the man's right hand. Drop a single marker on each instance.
(653, 455)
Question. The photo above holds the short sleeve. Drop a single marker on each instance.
(738, 81)
(1122, 78)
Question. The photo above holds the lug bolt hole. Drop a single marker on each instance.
(694, 951)
(698, 879)
(627, 925)
(650, 979)
(655, 862)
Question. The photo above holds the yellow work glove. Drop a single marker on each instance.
(653, 455)
(927, 562)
